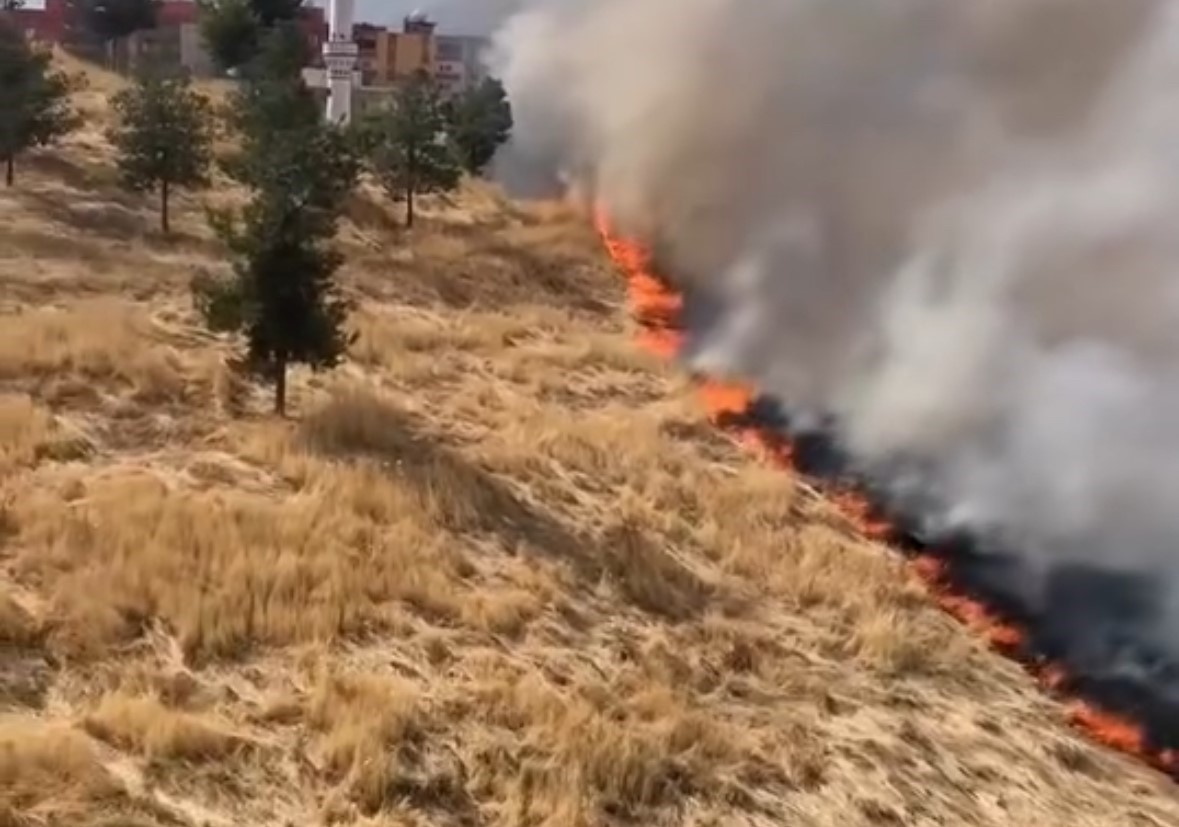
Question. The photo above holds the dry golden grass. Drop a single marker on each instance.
(496, 570)
(18, 628)
(146, 726)
(50, 771)
(29, 434)
(368, 726)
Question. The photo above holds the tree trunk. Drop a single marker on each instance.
(164, 226)
(280, 386)
(411, 180)
(9, 171)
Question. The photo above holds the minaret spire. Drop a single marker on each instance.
(339, 56)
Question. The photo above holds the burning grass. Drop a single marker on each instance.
(658, 307)
(499, 569)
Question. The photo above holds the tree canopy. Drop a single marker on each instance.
(163, 137)
(234, 30)
(34, 99)
(270, 12)
(230, 31)
(407, 144)
(479, 120)
(112, 20)
(272, 103)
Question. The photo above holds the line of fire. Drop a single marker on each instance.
(1120, 712)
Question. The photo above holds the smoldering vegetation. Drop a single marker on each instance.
(948, 228)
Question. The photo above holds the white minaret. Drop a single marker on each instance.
(339, 56)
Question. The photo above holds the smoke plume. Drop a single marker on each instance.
(953, 226)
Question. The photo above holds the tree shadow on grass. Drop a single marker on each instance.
(467, 498)
(84, 177)
(80, 265)
(87, 199)
(116, 219)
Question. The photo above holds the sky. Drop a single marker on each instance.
(452, 16)
(383, 11)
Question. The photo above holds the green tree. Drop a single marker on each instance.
(282, 295)
(113, 21)
(479, 121)
(407, 145)
(34, 99)
(271, 12)
(233, 30)
(283, 53)
(230, 30)
(164, 137)
(116, 19)
(272, 102)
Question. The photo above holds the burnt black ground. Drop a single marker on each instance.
(1097, 624)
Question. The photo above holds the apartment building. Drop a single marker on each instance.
(367, 38)
(458, 61)
(397, 55)
(386, 56)
(175, 40)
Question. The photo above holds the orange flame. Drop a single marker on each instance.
(658, 307)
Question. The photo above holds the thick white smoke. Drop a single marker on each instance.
(953, 224)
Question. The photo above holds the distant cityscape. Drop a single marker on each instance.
(385, 54)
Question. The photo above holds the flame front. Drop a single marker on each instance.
(658, 308)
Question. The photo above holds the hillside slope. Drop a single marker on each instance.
(497, 569)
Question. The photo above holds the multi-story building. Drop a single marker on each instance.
(458, 61)
(176, 38)
(385, 57)
(401, 54)
(368, 39)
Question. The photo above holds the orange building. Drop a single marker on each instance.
(386, 57)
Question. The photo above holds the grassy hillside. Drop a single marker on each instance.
(495, 570)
